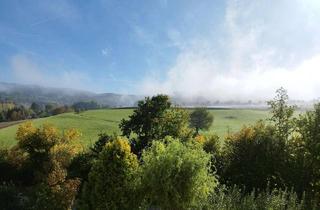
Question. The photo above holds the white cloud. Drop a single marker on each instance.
(263, 47)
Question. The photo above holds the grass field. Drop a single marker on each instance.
(91, 123)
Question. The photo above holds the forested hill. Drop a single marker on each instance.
(27, 94)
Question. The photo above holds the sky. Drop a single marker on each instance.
(221, 50)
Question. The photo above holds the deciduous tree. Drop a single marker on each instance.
(200, 119)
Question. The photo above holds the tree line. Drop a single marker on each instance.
(12, 112)
(162, 161)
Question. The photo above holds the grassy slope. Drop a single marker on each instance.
(91, 123)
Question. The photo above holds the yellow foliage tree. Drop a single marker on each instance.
(47, 153)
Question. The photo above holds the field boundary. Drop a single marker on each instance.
(8, 124)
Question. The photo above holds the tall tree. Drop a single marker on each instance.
(282, 113)
(46, 155)
(305, 152)
(153, 120)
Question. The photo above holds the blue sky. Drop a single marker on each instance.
(219, 49)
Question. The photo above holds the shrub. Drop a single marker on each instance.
(176, 175)
(234, 199)
(10, 198)
(305, 154)
(254, 157)
(44, 156)
(112, 179)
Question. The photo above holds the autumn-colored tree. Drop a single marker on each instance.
(47, 154)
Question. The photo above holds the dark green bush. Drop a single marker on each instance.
(254, 157)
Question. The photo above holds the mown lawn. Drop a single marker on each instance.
(91, 123)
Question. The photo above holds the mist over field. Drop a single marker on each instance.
(158, 104)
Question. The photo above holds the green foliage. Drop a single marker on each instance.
(99, 145)
(49, 108)
(153, 120)
(305, 152)
(9, 197)
(80, 166)
(234, 199)
(200, 119)
(16, 113)
(212, 145)
(7, 169)
(36, 108)
(282, 113)
(6, 105)
(254, 157)
(61, 109)
(93, 122)
(85, 105)
(145, 121)
(58, 197)
(113, 179)
(45, 168)
(174, 123)
(176, 175)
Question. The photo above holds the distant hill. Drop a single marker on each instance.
(26, 94)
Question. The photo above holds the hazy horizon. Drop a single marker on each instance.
(220, 50)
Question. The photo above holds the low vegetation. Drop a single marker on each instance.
(93, 122)
(160, 161)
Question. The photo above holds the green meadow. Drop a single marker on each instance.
(93, 122)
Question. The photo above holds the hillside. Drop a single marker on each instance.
(93, 122)
(26, 94)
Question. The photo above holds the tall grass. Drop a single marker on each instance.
(235, 199)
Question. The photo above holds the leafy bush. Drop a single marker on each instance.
(176, 175)
(235, 199)
(254, 157)
(41, 159)
(10, 198)
(305, 154)
(112, 179)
